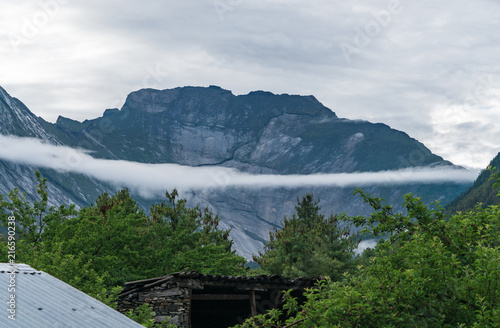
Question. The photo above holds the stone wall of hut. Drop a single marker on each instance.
(169, 303)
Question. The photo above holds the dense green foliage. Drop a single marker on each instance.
(308, 244)
(113, 241)
(481, 192)
(144, 314)
(429, 272)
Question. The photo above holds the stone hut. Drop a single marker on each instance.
(194, 300)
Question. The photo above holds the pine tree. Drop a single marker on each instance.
(308, 244)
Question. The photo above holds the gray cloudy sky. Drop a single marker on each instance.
(429, 68)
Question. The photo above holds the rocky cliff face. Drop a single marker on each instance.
(258, 133)
(67, 188)
(18, 120)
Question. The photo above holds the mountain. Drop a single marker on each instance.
(257, 133)
(481, 191)
(65, 188)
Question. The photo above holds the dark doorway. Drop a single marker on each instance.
(218, 313)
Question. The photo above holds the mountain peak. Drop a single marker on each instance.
(111, 111)
(259, 132)
(213, 101)
(69, 124)
(5, 97)
(18, 120)
(290, 104)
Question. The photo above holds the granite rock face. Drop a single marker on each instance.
(64, 188)
(17, 120)
(280, 134)
(256, 133)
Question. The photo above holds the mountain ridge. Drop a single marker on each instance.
(255, 133)
(228, 112)
(481, 192)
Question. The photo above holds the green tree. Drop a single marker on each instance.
(111, 234)
(36, 242)
(116, 240)
(33, 219)
(185, 239)
(429, 272)
(308, 244)
(98, 248)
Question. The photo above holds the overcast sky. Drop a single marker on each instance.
(429, 68)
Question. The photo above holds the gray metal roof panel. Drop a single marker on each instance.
(45, 301)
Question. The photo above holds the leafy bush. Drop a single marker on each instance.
(430, 272)
(98, 248)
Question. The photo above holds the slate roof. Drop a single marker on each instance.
(267, 281)
(43, 301)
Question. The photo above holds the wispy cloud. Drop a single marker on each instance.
(363, 245)
(151, 180)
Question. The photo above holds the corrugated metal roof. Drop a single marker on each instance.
(45, 301)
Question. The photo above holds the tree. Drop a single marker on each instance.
(33, 219)
(429, 272)
(308, 244)
(184, 239)
(117, 240)
(98, 248)
(111, 234)
(36, 243)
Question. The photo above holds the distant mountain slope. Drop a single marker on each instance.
(257, 133)
(65, 188)
(481, 192)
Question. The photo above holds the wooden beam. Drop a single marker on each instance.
(253, 305)
(158, 282)
(249, 288)
(221, 297)
(277, 297)
(190, 308)
(143, 281)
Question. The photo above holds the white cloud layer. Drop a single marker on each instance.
(429, 68)
(363, 245)
(152, 180)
